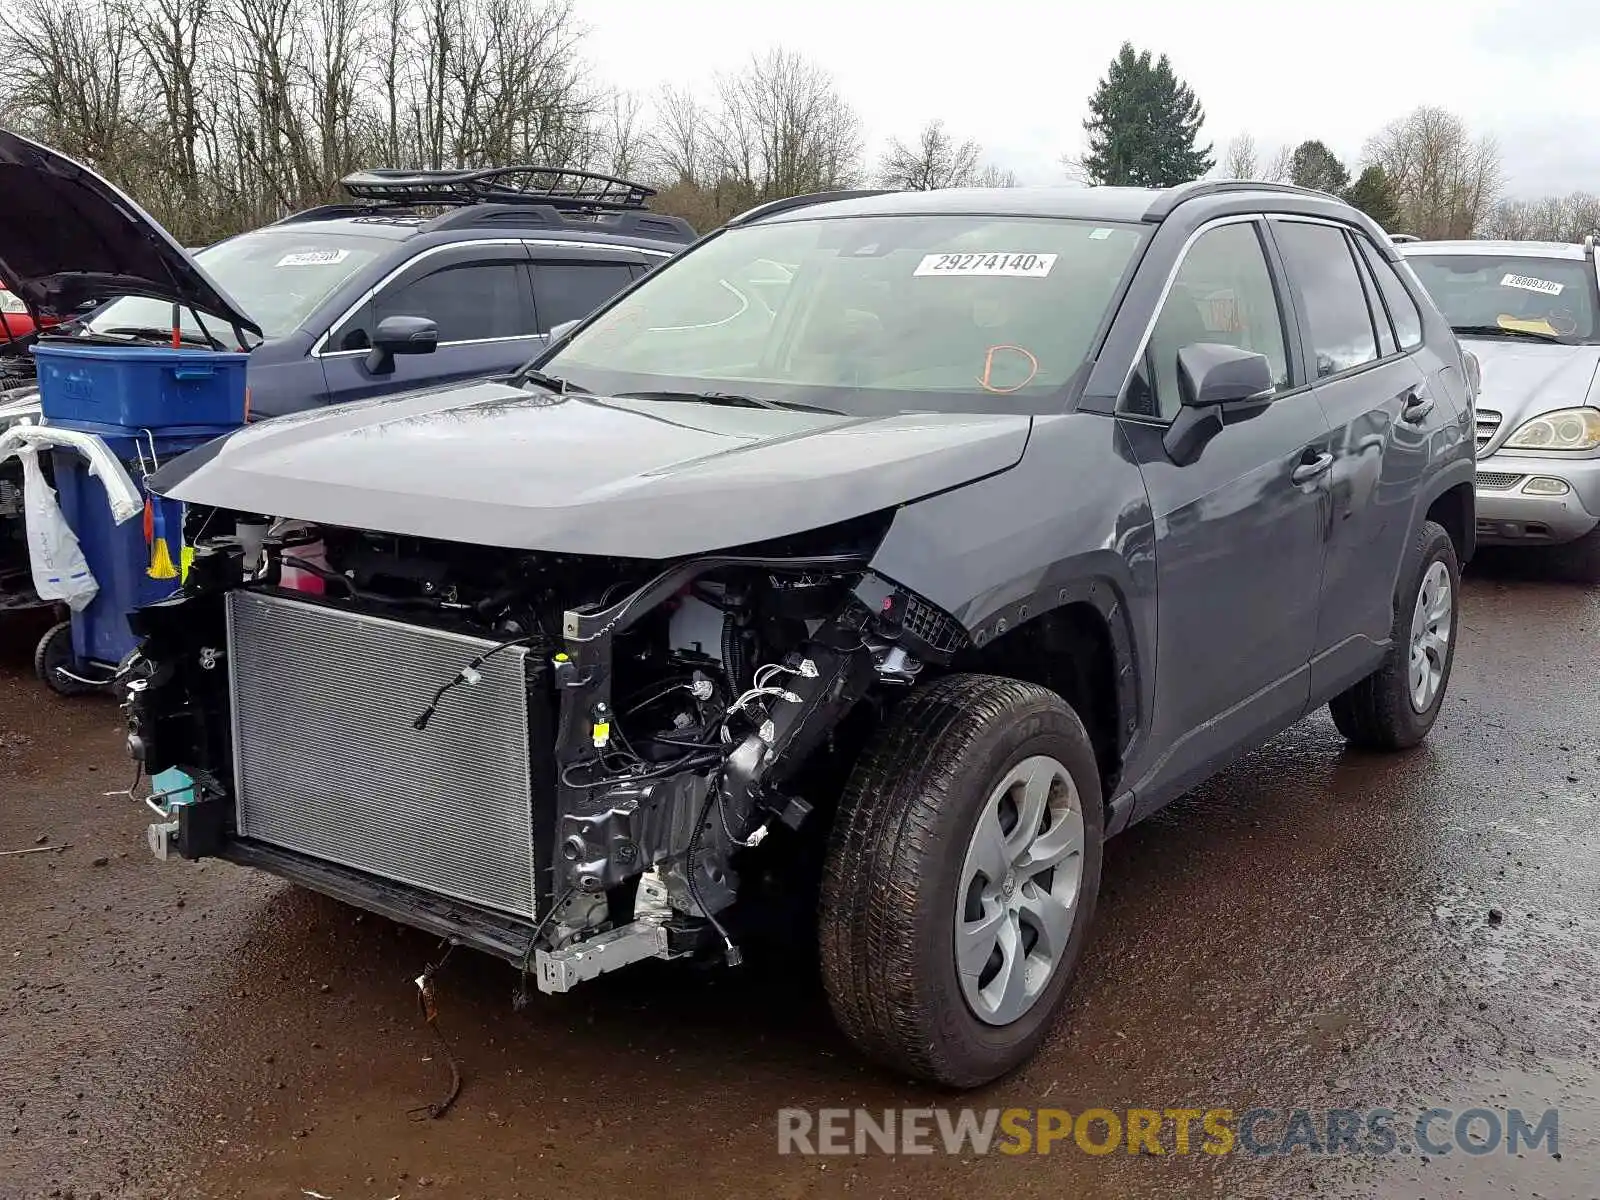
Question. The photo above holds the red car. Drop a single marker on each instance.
(15, 320)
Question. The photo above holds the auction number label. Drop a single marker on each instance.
(1529, 284)
(313, 258)
(1028, 266)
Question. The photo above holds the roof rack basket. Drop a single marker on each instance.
(558, 187)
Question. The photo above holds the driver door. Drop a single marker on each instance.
(478, 294)
(1240, 530)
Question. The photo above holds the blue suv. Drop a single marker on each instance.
(422, 277)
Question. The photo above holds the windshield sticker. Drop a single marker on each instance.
(313, 258)
(1099, 235)
(1026, 266)
(1529, 284)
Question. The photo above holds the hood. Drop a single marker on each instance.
(68, 237)
(493, 465)
(1521, 379)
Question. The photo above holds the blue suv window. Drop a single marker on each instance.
(569, 291)
(468, 302)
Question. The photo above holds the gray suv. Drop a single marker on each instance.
(1529, 312)
(861, 570)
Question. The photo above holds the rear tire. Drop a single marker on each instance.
(1396, 706)
(921, 856)
(54, 653)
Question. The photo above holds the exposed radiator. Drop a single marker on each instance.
(327, 762)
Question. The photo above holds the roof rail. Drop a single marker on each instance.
(789, 203)
(557, 186)
(626, 223)
(1162, 207)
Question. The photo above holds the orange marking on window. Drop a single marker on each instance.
(988, 370)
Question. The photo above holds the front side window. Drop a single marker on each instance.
(866, 314)
(468, 303)
(277, 277)
(1511, 295)
(1338, 319)
(1222, 293)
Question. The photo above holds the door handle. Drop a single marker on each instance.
(1417, 408)
(1310, 468)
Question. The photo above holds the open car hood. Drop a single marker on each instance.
(494, 465)
(69, 237)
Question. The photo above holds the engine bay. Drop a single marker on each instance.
(679, 714)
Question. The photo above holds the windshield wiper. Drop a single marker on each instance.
(731, 398)
(1502, 331)
(551, 383)
(165, 335)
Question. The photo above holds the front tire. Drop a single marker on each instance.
(1396, 706)
(961, 879)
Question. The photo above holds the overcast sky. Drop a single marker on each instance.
(1015, 74)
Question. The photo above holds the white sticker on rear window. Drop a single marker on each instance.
(1529, 284)
(1030, 266)
(313, 258)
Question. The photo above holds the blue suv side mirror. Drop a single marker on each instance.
(400, 335)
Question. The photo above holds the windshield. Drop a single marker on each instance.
(278, 277)
(865, 314)
(1513, 293)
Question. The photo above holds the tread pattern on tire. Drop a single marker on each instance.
(887, 826)
(1375, 713)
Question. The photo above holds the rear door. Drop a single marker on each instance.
(1376, 402)
(570, 282)
(1239, 530)
(477, 293)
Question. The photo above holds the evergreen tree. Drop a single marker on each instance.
(1143, 125)
(1315, 166)
(1373, 195)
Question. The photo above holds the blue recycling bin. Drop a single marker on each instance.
(119, 556)
(87, 385)
(149, 404)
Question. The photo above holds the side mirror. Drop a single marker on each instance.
(1214, 381)
(557, 332)
(1211, 373)
(400, 335)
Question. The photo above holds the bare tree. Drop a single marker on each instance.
(68, 75)
(622, 139)
(1444, 180)
(996, 177)
(677, 145)
(1567, 218)
(933, 161)
(782, 129)
(1281, 168)
(1240, 160)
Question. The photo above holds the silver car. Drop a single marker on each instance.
(1530, 313)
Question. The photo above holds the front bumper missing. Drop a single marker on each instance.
(467, 924)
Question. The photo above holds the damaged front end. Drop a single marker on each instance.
(572, 762)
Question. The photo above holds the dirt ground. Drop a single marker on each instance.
(1315, 929)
